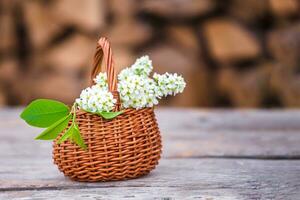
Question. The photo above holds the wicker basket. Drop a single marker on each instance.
(127, 146)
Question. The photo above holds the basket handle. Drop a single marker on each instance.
(103, 51)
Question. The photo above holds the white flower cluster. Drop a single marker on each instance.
(169, 84)
(141, 67)
(97, 98)
(101, 80)
(137, 90)
(135, 87)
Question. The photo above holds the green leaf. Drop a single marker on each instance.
(66, 135)
(56, 128)
(73, 133)
(109, 115)
(76, 137)
(44, 112)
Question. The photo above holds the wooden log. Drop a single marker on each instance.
(123, 57)
(184, 38)
(249, 10)
(284, 8)
(168, 58)
(126, 9)
(8, 40)
(129, 33)
(278, 77)
(290, 96)
(40, 24)
(7, 5)
(286, 84)
(230, 42)
(173, 9)
(9, 71)
(89, 15)
(284, 45)
(73, 55)
(3, 100)
(46, 21)
(247, 88)
(10, 77)
(61, 87)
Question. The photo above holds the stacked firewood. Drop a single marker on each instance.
(239, 53)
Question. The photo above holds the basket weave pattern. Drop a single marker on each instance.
(127, 146)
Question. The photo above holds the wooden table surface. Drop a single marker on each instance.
(207, 154)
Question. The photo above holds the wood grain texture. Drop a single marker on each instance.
(206, 156)
(190, 133)
(150, 193)
(246, 133)
(233, 178)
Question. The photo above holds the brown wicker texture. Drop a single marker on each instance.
(127, 146)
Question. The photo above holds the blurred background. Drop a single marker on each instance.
(234, 53)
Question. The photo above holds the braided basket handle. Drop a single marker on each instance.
(103, 51)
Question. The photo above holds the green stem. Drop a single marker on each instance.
(74, 112)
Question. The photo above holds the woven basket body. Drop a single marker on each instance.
(127, 146)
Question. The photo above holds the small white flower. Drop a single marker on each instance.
(169, 84)
(142, 66)
(97, 98)
(125, 74)
(137, 92)
(101, 80)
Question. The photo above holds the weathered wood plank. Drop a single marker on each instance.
(180, 178)
(27, 172)
(189, 133)
(211, 119)
(239, 133)
(147, 193)
(238, 120)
